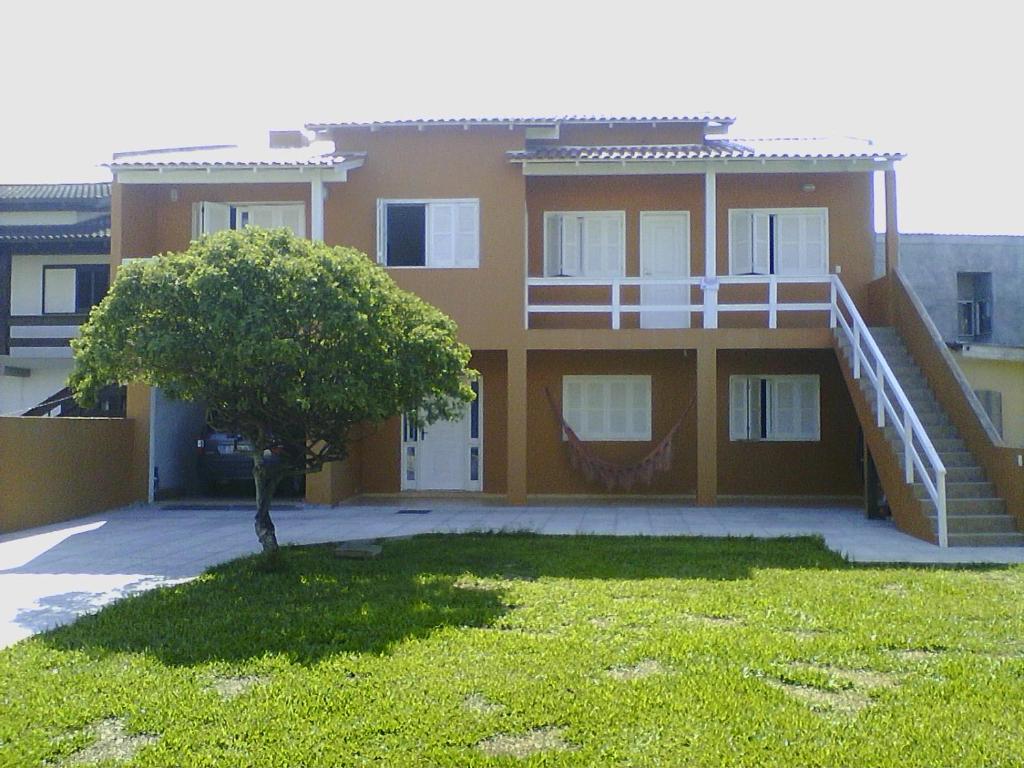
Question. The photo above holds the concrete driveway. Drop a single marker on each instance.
(51, 575)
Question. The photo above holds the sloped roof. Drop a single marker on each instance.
(94, 230)
(68, 197)
(769, 149)
(317, 155)
(702, 118)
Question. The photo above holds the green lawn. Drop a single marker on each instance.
(529, 650)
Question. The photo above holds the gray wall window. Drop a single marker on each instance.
(974, 305)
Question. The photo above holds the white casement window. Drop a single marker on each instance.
(774, 408)
(584, 243)
(608, 407)
(782, 241)
(428, 233)
(208, 217)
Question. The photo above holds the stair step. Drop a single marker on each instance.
(961, 524)
(961, 490)
(986, 539)
(956, 459)
(974, 474)
(968, 507)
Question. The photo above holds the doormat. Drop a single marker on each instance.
(413, 512)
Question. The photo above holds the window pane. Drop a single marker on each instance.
(59, 287)
(474, 413)
(406, 235)
(474, 464)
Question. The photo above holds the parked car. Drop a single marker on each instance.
(226, 457)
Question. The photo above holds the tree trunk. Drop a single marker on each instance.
(266, 484)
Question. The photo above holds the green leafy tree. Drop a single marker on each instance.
(292, 344)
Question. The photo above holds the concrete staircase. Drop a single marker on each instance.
(975, 514)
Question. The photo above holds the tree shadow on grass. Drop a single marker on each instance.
(310, 604)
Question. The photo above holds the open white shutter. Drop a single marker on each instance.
(641, 407)
(572, 403)
(762, 235)
(382, 228)
(214, 217)
(738, 429)
(784, 395)
(467, 234)
(789, 244)
(815, 259)
(572, 263)
(552, 244)
(809, 426)
(741, 261)
(441, 235)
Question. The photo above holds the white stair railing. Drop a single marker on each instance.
(893, 403)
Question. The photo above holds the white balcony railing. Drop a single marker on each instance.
(921, 460)
(709, 308)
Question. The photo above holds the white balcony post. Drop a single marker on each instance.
(940, 507)
(832, 302)
(908, 446)
(773, 302)
(316, 209)
(880, 391)
(710, 284)
(616, 304)
(856, 350)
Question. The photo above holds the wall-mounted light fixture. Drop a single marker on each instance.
(808, 187)
(174, 195)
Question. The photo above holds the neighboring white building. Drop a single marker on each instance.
(54, 266)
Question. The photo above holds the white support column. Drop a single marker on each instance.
(710, 282)
(316, 213)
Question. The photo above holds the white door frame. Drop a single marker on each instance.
(685, 216)
(412, 445)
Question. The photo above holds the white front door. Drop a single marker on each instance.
(445, 455)
(665, 254)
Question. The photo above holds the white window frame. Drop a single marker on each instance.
(766, 264)
(582, 270)
(574, 415)
(470, 261)
(240, 208)
(742, 417)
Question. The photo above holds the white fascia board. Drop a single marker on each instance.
(251, 175)
(725, 166)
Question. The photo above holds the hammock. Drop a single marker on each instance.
(614, 475)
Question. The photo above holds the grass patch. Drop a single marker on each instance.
(520, 649)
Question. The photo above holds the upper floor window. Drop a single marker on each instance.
(774, 408)
(608, 407)
(428, 233)
(974, 305)
(584, 243)
(74, 288)
(783, 241)
(208, 218)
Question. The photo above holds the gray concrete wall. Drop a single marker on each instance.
(931, 263)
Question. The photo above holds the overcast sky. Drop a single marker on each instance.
(82, 80)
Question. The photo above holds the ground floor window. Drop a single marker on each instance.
(774, 408)
(608, 407)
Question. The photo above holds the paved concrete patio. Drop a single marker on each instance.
(51, 575)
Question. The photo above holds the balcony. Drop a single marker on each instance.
(42, 335)
(738, 301)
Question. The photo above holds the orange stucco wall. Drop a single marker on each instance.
(58, 469)
(380, 449)
(829, 467)
(673, 387)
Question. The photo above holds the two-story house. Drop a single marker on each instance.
(54, 266)
(657, 310)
